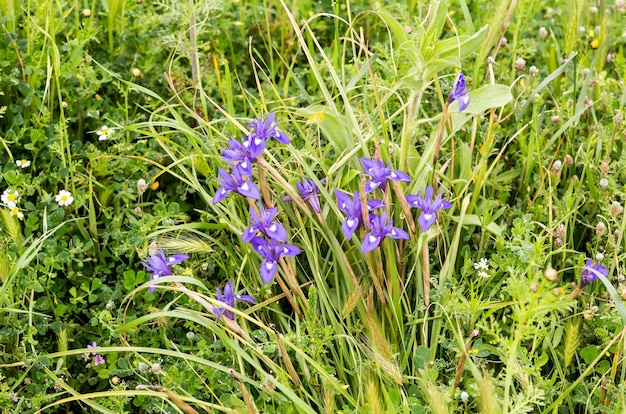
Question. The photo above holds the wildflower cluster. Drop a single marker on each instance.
(267, 236)
(98, 359)
(10, 198)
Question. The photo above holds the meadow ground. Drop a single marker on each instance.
(261, 206)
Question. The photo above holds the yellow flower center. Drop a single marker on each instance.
(11, 197)
(316, 117)
(64, 197)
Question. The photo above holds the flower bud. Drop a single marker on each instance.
(156, 368)
(86, 12)
(142, 186)
(136, 72)
(556, 166)
(569, 161)
(533, 71)
(600, 228)
(543, 33)
(190, 335)
(561, 231)
(555, 119)
(599, 257)
(503, 42)
(115, 380)
(464, 396)
(551, 274)
(604, 183)
(604, 168)
(520, 65)
(534, 286)
(143, 367)
(618, 118)
(558, 243)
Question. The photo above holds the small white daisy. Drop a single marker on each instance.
(104, 133)
(10, 197)
(16, 212)
(483, 274)
(482, 264)
(22, 163)
(64, 198)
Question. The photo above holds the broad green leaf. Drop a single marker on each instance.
(461, 46)
(485, 98)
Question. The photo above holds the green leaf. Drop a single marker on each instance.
(589, 353)
(421, 357)
(129, 280)
(485, 98)
(461, 46)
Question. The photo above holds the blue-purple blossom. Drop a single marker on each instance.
(429, 207)
(263, 222)
(93, 345)
(228, 299)
(459, 93)
(265, 129)
(380, 173)
(237, 181)
(271, 253)
(379, 229)
(352, 208)
(591, 273)
(308, 191)
(240, 152)
(159, 265)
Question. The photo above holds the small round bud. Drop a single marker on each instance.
(551, 274)
(555, 119)
(156, 368)
(138, 210)
(464, 396)
(520, 65)
(110, 305)
(574, 178)
(600, 228)
(153, 248)
(64, 105)
(190, 335)
(604, 168)
(558, 243)
(586, 72)
(593, 9)
(533, 71)
(556, 166)
(588, 315)
(616, 209)
(143, 367)
(557, 291)
(599, 257)
(593, 82)
(594, 309)
(604, 183)
(618, 118)
(115, 380)
(408, 29)
(534, 286)
(136, 72)
(569, 161)
(86, 12)
(475, 333)
(57, 386)
(561, 231)
(503, 42)
(543, 33)
(142, 186)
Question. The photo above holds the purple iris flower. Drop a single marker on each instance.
(238, 181)
(263, 222)
(271, 252)
(429, 207)
(308, 190)
(228, 299)
(459, 93)
(240, 152)
(380, 174)
(379, 229)
(159, 265)
(591, 273)
(265, 129)
(352, 208)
